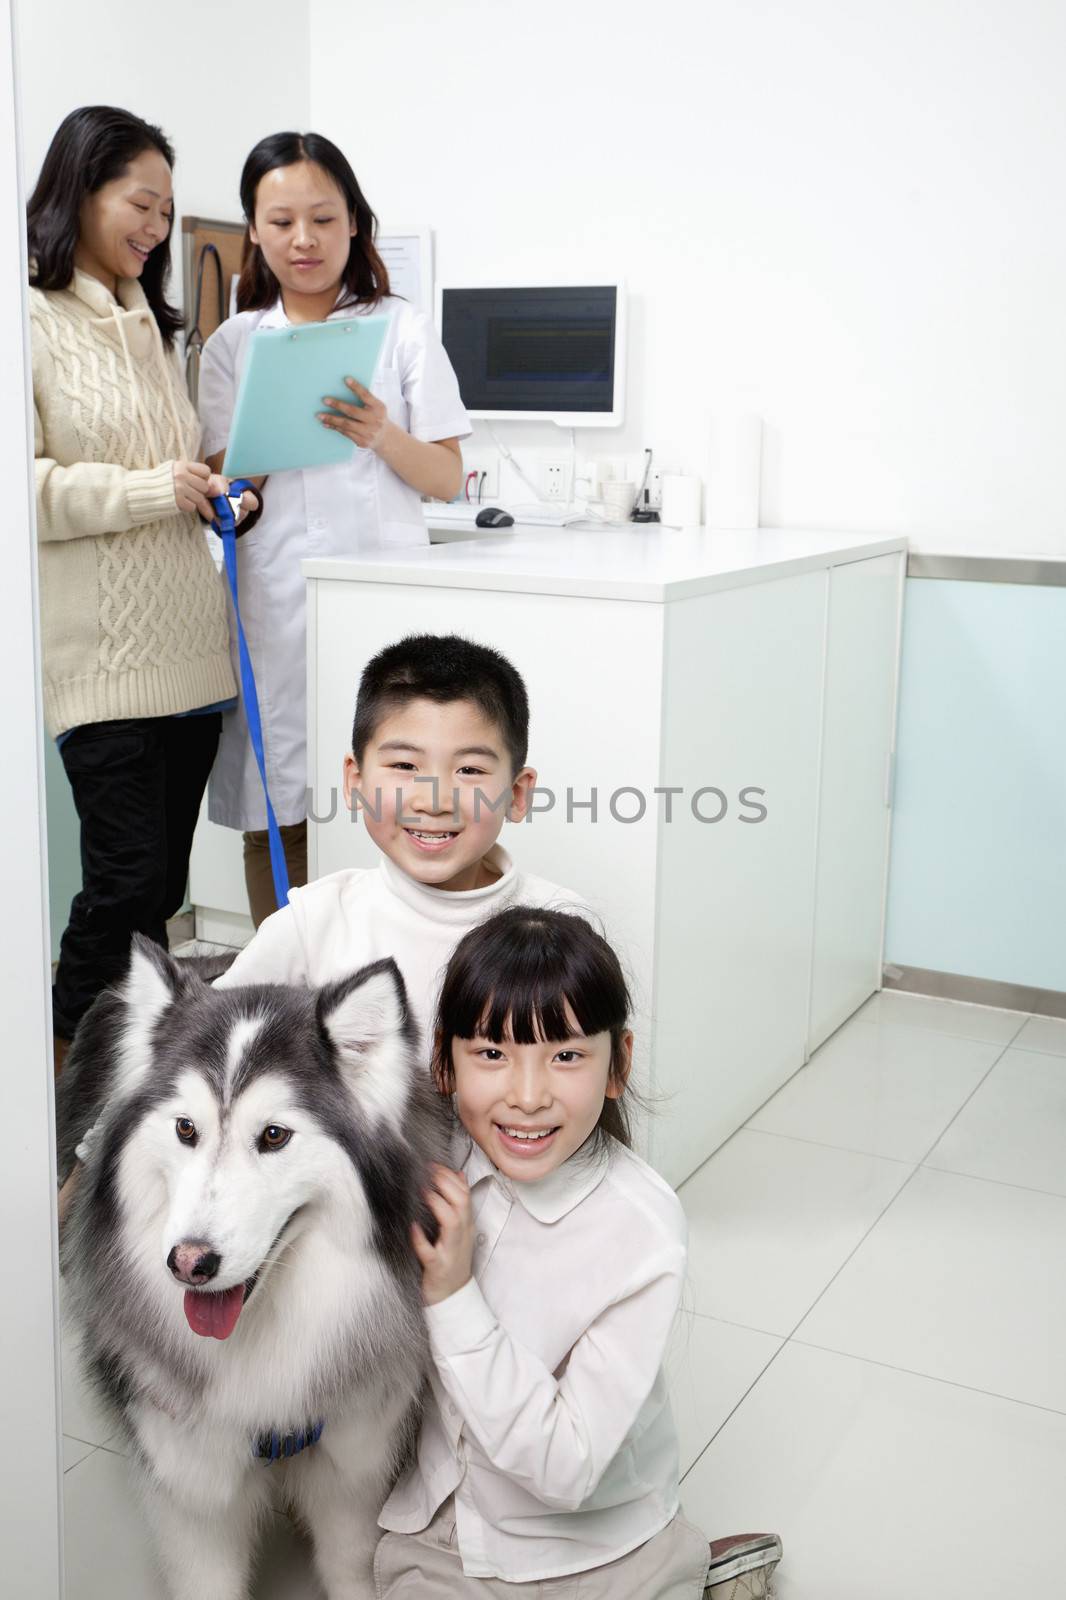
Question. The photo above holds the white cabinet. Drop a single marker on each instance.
(708, 665)
(216, 883)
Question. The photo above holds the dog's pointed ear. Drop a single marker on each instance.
(153, 980)
(366, 1019)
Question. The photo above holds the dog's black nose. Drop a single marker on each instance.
(193, 1263)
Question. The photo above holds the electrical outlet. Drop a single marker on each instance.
(553, 480)
(486, 485)
(655, 489)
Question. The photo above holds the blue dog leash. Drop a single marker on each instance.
(225, 525)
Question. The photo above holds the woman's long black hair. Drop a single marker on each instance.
(365, 279)
(513, 977)
(91, 147)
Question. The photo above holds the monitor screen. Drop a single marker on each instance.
(538, 352)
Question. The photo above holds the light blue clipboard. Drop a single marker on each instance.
(287, 373)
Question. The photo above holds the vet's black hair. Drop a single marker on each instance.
(442, 668)
(90, 148)
(365, 278)
(514, 976)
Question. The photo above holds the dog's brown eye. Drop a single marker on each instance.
(185, 1129)
(274, 1137)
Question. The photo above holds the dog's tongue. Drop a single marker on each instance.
(214, 1316)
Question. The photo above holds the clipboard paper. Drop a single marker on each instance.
(287, 371)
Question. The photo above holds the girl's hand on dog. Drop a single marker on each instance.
(446, 1265)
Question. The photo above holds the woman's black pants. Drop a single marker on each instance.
(137, 789)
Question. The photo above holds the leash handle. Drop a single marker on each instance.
(227, 509)
(225, 525)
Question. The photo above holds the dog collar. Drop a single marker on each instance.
(275, 1446)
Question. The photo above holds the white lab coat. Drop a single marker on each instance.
(321, 511)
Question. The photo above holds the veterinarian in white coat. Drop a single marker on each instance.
(313, 259)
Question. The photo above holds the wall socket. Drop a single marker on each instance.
(490, 485)
(554, 476)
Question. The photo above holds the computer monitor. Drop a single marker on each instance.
(556, 354)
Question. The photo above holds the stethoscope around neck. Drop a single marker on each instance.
(194, 342)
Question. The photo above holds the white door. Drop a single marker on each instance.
(859, 707)
(29, 1463)
(741, 708)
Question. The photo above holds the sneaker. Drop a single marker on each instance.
(742, 1567)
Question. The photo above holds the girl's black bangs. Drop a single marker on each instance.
(525, 998)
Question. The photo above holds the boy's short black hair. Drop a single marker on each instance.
(442, 667)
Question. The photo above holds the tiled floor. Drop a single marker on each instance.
(873, 1358)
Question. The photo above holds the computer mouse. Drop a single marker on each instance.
(493, 517)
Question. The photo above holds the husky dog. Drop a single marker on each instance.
(238, 1256)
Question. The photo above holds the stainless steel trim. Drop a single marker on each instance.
(976, 991)
(1045, 571)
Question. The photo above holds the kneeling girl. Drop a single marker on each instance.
(548, 1450)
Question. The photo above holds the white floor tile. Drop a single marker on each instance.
(1014, 1128)
(884, 1485)
(202, 947)
(887, 1090)
(771, 1220)
(109, 1554)
(946, 1016)
(1043, 1033)
(83, 1415)
(75, 1450)
(959, 1281)
(711, 1366)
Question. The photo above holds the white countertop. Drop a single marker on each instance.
(646, 562)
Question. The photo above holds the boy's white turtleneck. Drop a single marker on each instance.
(344, 921)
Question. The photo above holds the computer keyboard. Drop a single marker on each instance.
(462, 514)
(546, 516)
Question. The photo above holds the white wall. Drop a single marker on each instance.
(214, 88)
(844, 216)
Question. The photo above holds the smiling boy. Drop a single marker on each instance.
(438, 762)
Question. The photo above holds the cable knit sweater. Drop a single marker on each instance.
(133, 613)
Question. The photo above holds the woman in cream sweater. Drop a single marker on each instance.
(133, 614)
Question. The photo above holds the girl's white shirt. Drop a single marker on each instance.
(339, 510)
(549, 1418)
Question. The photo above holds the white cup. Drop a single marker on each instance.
(618, 499)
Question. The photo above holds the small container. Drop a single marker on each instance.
(682, 496)
(618, 500)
